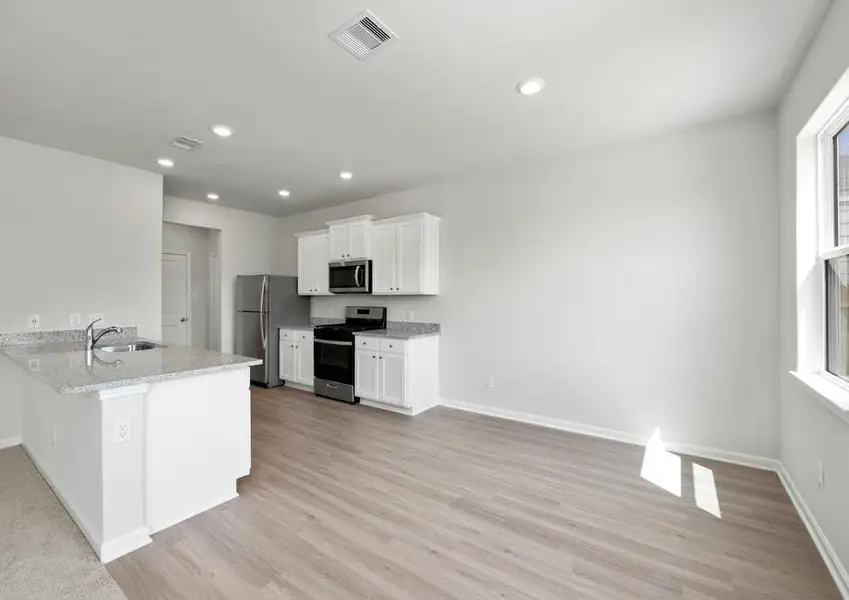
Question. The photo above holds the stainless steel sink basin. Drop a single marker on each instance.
(133, 347)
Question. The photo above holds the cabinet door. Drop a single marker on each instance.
(409, 256)
(304, 363)
(338, 242)
(287, 361)
(383, 259)
(358, 240)
(321, 264)
(366, 374)
(304, 259)
(392, 379)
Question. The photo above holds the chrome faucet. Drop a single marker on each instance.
(91, 339)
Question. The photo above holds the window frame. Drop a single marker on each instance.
(828, 233)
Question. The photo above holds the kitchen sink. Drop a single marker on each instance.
(133, 347)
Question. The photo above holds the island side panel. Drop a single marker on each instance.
(198, 444)
(62, 436)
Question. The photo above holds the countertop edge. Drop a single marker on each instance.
(397, 335)
(111, 385)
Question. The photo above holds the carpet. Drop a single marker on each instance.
(42, 553)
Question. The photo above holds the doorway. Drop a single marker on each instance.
(176, 292)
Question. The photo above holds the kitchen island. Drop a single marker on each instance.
(133, 442)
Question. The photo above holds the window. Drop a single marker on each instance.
(834, 159)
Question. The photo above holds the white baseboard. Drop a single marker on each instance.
(118, 547)
(10, 442)
(829, 556)
(737, 458)
(171, 521)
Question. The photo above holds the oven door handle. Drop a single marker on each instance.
(333, 343)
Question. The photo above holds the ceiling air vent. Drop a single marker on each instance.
(362, 35)
(184, 142)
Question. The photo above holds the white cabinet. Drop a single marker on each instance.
(313, 263)
(405, 255)
(296, 356)
(399, 375)
(350, 238)
(367, 374)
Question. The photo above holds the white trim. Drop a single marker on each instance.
(118, 547)
(835, 252)
(401, 410)
(737, 458)
(834, 396)
(213, 341)
(10, 442)
(189, 319)
(829, 556)
(299, 386)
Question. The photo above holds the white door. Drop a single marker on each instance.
(287, 361)
(392, 379)
(358, 240)
(175, 299)
(366, 374)
(383, 259)
(409, 257)
(338, 242)
(304, 363)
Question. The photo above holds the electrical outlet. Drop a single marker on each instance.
(490, 382)
(75, 320)
(122, 432)
(409, 315)
(34, 364)
(34, 321)
(820, 475)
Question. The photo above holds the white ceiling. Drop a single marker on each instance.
(118, 80)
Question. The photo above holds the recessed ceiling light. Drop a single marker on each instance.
(346, 174)
(530, 87)
(284, 193)
(165, 162)
(222, 130)
(212, 196)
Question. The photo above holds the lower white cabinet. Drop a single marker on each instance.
(296, 357)
(401, 375)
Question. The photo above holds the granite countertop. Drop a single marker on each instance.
(397, 334)
(63, 365)
(302, 327)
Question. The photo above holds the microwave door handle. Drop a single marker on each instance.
(357, 271)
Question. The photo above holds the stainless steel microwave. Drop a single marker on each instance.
(350, 277)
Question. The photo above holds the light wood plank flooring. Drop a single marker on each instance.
(352, 502)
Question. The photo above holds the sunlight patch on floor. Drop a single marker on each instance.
(660, 466)
(705, 488)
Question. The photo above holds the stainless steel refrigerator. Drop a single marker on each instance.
(263, 303)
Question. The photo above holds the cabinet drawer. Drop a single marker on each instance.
(287, 335)
(303, 335)
(392, 346)
(367, 343)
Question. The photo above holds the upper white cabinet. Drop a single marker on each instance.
(350, 238)
(313, 263)
(405, 255)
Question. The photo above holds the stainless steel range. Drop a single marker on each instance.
(334, 351)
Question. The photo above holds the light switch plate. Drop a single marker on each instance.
(75, 320)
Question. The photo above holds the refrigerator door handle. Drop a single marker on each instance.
(262, 312)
